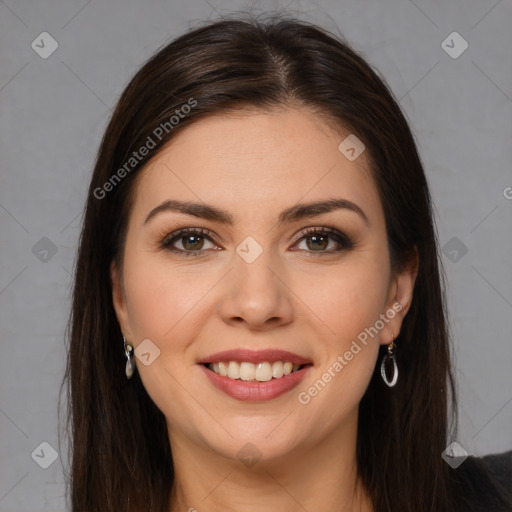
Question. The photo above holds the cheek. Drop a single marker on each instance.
(164, 306)
(346, 299)
(348, 307)
(161, 297)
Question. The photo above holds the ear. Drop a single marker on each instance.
(400, 298)
(119, 301)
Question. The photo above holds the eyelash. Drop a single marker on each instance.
(342, 239)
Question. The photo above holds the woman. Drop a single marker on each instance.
(258, 317)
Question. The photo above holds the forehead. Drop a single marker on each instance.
(257, 161)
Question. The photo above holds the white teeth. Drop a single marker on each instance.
(233, 370)
(223, 369)
(247, 371)
(261, 372)
(277, 370)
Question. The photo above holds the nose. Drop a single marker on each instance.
(257, 294)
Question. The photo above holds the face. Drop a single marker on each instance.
(236, 274)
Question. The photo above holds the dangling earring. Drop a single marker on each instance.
(391, 355)
(129, 368)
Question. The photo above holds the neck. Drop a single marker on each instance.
(322, 476)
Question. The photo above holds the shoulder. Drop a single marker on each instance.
(486, 482)
(500, 465)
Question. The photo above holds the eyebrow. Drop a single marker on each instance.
(292, 214)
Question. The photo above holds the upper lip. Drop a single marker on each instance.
(255, 356)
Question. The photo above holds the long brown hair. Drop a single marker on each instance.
(119, 444)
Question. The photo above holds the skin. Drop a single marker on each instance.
(291, 297)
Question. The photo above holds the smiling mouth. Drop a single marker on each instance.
(260, 372)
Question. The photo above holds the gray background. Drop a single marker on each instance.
(54, 112)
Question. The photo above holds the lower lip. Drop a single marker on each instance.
(255, 391)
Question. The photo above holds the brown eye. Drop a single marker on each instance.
(191, 241)
(318, 240)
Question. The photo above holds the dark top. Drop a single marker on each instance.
(483, 479)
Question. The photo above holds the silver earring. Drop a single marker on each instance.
(129, 368)
(391, 355)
